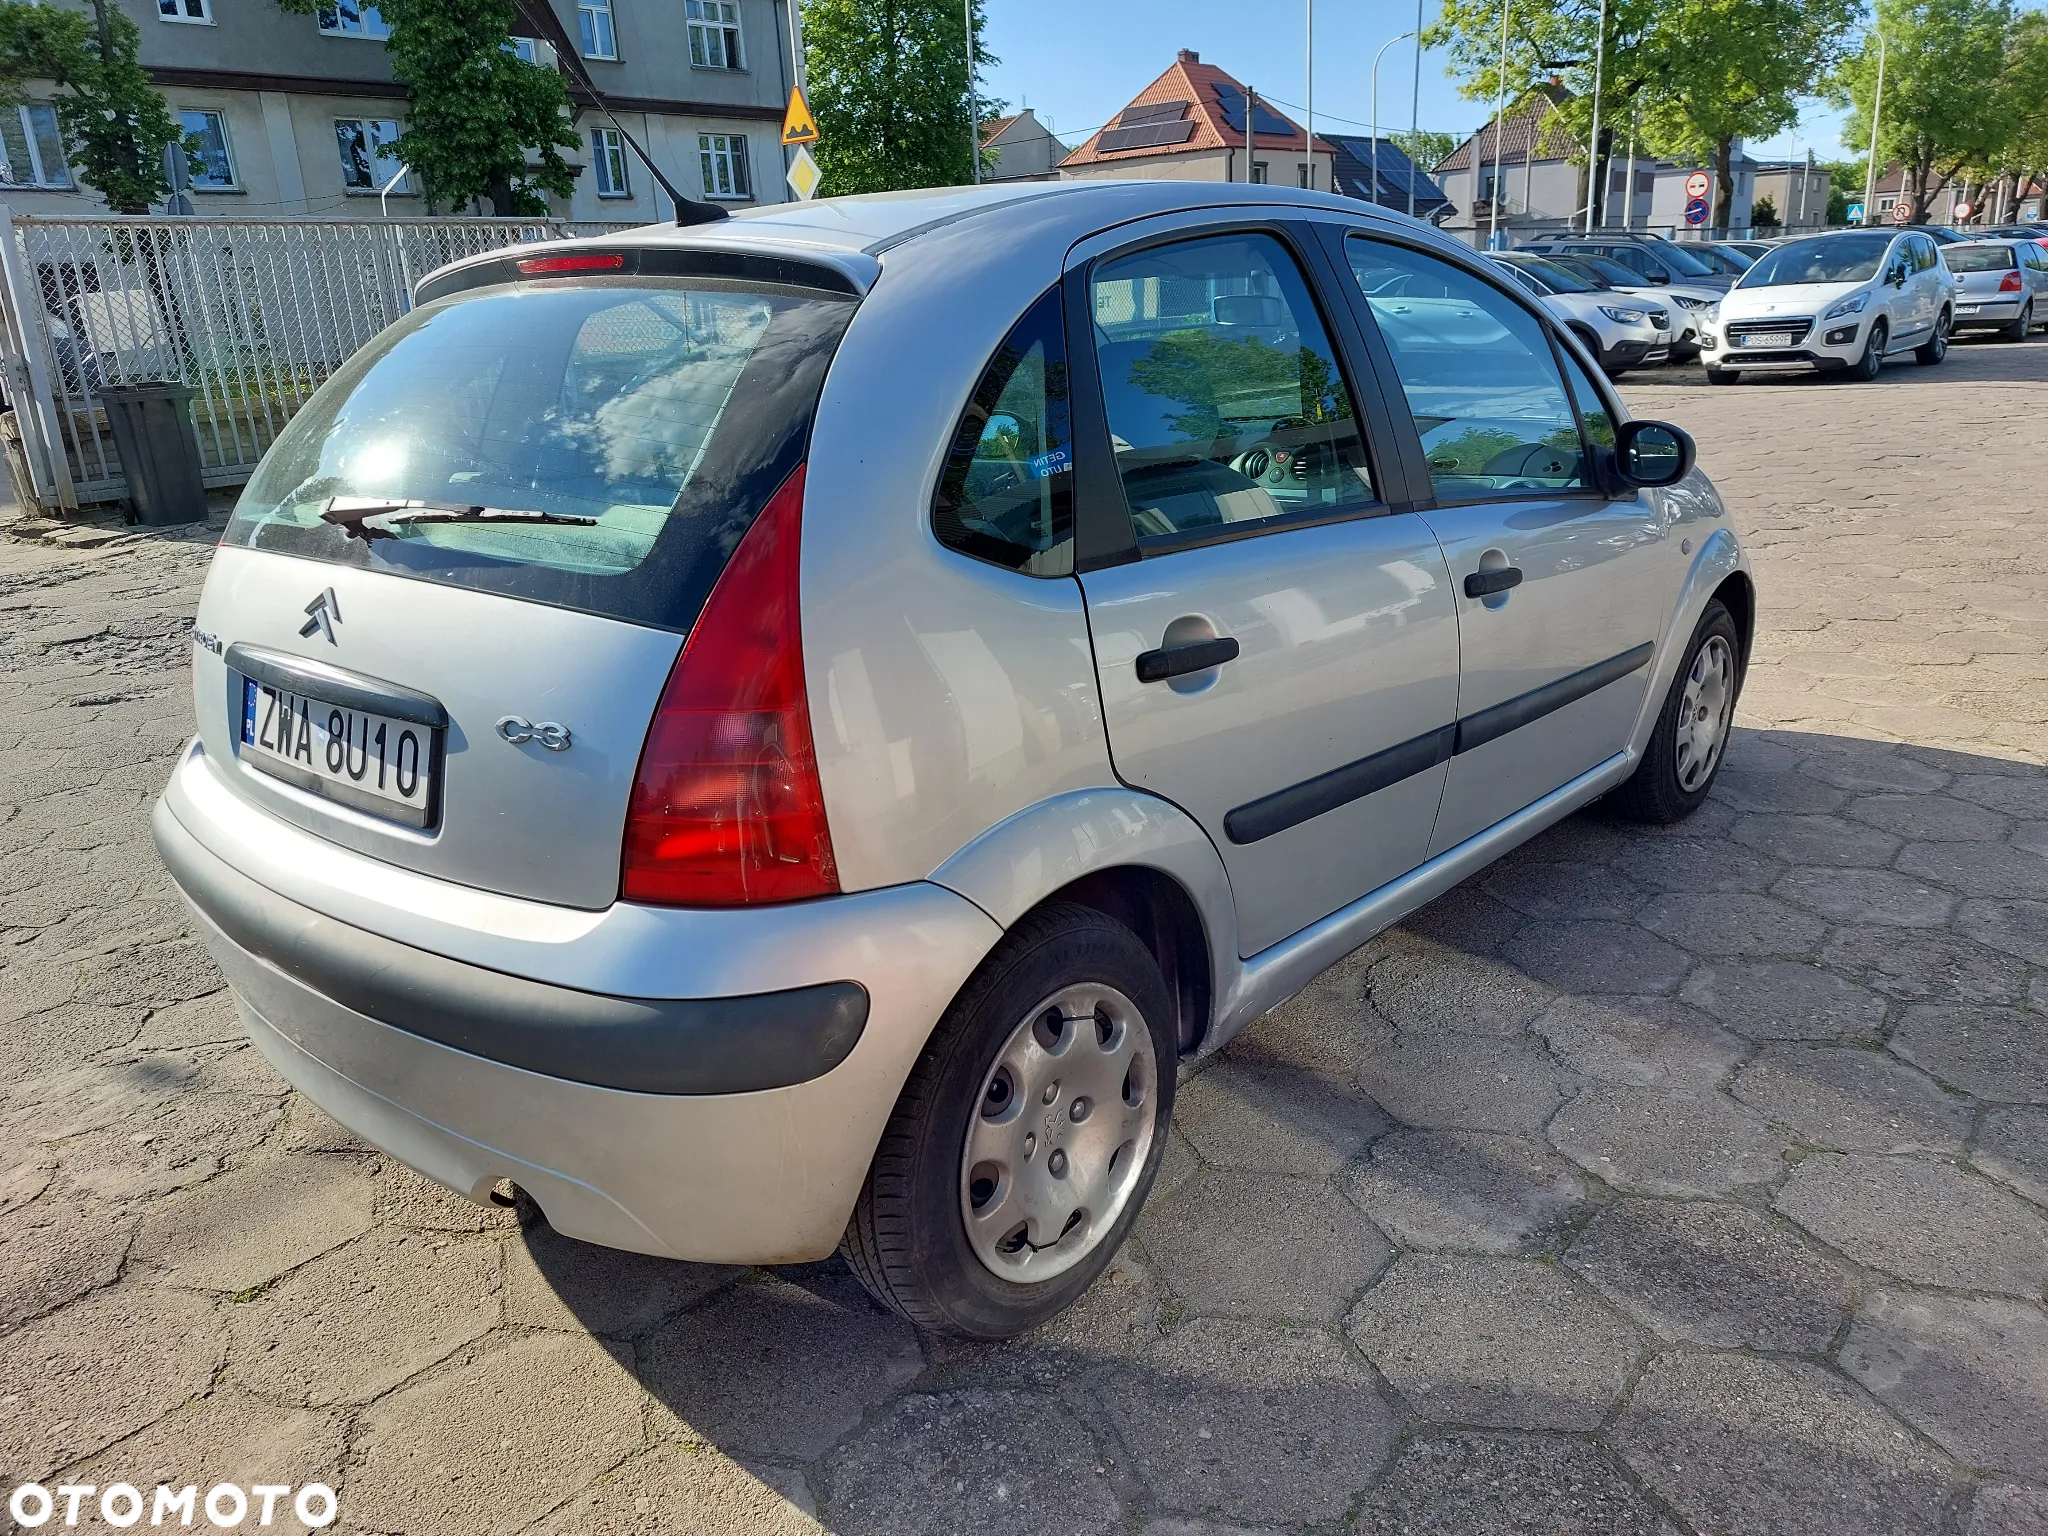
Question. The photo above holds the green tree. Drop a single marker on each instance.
(1427, 149)
(889, 87)
(115, 125)
(1950, 99)
(475, 109)
(1763, 213)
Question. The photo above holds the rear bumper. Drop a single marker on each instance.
(733, 1125)
(1985, 313)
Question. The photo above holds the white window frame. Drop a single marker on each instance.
(382, 166)
(526, 48)
(227, 149)
(38, 173)
(718, 149)
(714, 27)
(591, 17)
(183, 12)
(608, 152)
(366, 29)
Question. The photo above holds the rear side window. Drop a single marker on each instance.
(1479, 374)
(1007, 493)
(599, 445)
(1226, 407)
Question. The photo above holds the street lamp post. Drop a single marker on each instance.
(973, 100)
(1308, 100)
(1876, 115)
(1593, 190)
(1376, 125)
(1415, 109)
(1500, 108)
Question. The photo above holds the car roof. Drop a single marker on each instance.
(851, 234)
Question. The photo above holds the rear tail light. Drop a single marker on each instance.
(541, 266)
(727, 808)
(2010, 283)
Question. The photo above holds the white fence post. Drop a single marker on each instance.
(49, 466)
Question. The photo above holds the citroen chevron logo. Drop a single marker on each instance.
(323, 613)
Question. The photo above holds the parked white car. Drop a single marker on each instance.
(1621, 331)
(1836, 302)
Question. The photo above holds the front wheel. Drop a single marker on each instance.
(1866, 367)
(1028, 1135)
(1684, 754)
(1935, 348)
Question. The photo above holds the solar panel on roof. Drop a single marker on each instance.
(1153, 112)
(1144, 136)
(1232, 101)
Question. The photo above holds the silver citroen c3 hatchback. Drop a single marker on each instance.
(784, 735)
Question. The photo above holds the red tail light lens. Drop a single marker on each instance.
(2010, 283)
(540, 266)
(726, 808)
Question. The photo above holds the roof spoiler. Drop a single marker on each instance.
(540, 18)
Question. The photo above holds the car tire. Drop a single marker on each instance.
(1679, 766)
(2021, 324)
(1871, 363)
(966, 1126)
(1723, 376)
(1935, 348)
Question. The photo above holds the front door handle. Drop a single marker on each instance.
(1486, 583)
(1177, 660)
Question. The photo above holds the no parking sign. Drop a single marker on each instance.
(1696, 211)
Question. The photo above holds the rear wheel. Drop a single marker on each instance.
(1684, 754)
(1935, 348)
(1867, 367)
(1028, 1134)
(2021, 324)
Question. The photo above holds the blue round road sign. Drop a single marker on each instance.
(1696, 211)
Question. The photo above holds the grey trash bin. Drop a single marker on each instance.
(152, 426)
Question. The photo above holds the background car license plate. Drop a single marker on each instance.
(1768, 339)
(373, 762)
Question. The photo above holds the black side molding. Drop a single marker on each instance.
(1301, 802)
(1325, 792)
(1526, 708)
(331, 685)
(641, 1045)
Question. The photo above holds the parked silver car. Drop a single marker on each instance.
(1618, 333)
(784, 734)
(2001, 285)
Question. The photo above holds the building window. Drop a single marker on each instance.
(1305, 173)
(34, 148)
(206, 135)
(184, 10)
(594, 17)
(347, 18)
(714, 33)
(724, 157)
(523, 48)
(1258, 173)
(608, 162)
(367, 164)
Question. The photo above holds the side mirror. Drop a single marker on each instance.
(1652, 453)
(1897, 276)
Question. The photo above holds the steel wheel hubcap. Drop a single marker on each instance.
(1703, 713)
(1060, 1133)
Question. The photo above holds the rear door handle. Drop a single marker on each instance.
(1176, 660)
(1486, 583)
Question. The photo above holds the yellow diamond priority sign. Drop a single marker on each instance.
(804, 174)
(798, 126)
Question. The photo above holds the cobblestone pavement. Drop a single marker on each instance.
(1654, 1182)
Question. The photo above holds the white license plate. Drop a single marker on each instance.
(1768, 339)
(1966, 309)
(375, 763)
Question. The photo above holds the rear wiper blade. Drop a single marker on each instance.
(352, 514)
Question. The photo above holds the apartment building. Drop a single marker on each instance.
(295, 115)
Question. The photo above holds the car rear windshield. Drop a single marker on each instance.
(1978, 258)
(599, 444)
(1828, 259)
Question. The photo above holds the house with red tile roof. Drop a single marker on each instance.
(1190, 125)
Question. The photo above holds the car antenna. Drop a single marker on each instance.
(541, 18)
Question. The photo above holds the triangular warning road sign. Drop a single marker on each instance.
(798, 126)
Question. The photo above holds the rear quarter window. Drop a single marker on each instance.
(599, 444)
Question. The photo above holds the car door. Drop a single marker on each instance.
(1561, 590)
(1276, 645)
(1929, 282)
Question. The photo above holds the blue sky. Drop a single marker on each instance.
(1078, 61)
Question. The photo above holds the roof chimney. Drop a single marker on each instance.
(1189, 56)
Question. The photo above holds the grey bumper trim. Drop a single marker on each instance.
(640, 1045)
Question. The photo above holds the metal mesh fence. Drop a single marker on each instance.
(253, 315)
